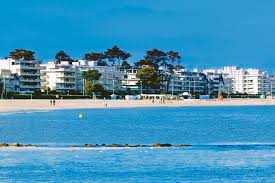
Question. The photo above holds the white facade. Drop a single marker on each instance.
(244, 81)
(110, 75)
(227, 84)
(256, 82)
(248, 81)
(130, 81)
(237, 76)
(9, 82)
(59, 77)
(186, 81)
(219, 81)
(28, 72)
(66, 77)
(272, 86)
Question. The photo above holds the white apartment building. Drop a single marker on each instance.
(130, 81)
(28, 72)
(66, 77)
(236, 74)
(219, 81)
(181, 81)
(188, 82)
(59, 77)
(246, 81)
(110, 75)
(256, 82)
(8, 82)
(227, 84)
(272, 86)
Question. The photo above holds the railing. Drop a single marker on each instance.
(66, 70)
(65, 76)
(31, 86)
(65, 88)
(32, 80)
(30, 74)
(63, 81)
(29, 67)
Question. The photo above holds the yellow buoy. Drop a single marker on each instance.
(81, 116)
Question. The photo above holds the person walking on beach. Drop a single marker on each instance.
(105, 103)
(53, 102)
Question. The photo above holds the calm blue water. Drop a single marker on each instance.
(231, 144)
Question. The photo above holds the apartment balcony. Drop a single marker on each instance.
(66, 76)
(65, 82)
(30, 74)
(131, 79)
(10, 85)
(66, 70)
(29, 67)
(32, 80)
(7, 77)
(65, 88)
(31, 86)
(26, 62)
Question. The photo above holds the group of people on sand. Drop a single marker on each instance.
(52, 102)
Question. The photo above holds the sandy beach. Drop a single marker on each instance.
(19, 105)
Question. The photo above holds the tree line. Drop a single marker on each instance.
(113, 55)
(149, 75)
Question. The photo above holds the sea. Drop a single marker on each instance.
(229, 144)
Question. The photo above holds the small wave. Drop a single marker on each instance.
(62, 148)
(57, 147)
(242, 144)
(22, 112)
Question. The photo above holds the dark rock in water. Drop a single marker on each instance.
(139, 145)
(103, 145)
(116, 145)
(15, 144)
(142, 145)
(135, 145)
(162, 145)
(182, 145)
(88, 145)
(29, 145)
(126, 145)
(3, 144)
(96, 145)
(156, 145)
(75, 146)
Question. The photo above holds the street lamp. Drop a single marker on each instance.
(189, 83)
(140, 87)
(4, 87)
(113, 86)
(172, 87)
(228, 87)
(83, 86)
(194, 84)
(271, 88)
(209, 90)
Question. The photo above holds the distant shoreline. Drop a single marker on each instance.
(43, 104)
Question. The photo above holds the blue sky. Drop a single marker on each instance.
(207, 33)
